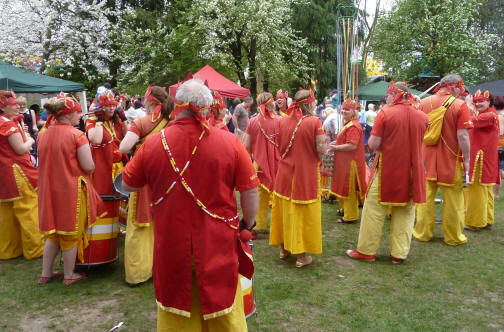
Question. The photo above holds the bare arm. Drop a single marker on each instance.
(374, 142)
(249, 201)
(95, 135)
(465, 146)
(34, 121)
(343, 147)
(85, 158)
(128, 142)
(128, 188)
(246, 142)
(235, 122)
(320, 141)
(17, 144)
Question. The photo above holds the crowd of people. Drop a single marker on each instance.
(184, 158)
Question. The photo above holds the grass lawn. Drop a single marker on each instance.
(438, 288)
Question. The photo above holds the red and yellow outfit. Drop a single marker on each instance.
(219, 123)
(192, 247)
(443, 163)
(397, 179)
(139, 242)
(296, 219)
(19, 234)
(349, 172)
(484, 169)
(68, 203)
(106, 155)
(263, 131)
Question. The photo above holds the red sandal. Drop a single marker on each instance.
(68, 282)
(45, 280)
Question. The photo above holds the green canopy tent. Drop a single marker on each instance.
(24, 81)
(378, 90)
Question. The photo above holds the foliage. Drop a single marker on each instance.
(433, 36)
(491, 20)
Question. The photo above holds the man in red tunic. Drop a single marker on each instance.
(397, 178)
(445, 162)
(193, 170)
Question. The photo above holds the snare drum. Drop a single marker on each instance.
(102, 235)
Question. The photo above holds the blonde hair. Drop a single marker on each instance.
(302, 94)
(21, 99)
(54, 105)
(264, 97)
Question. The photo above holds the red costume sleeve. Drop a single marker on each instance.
(352, 135)
(487, 119)
(464, 118)
(246, 176)
(319, 129)
(134, 129)
(81, 140)
(8, 128)
(90, 123)
(378, 125)
(134, 175)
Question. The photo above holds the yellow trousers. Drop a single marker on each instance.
(19, 225)
(263, 211)
(234, 321)
(297, 226)
(453, 213)
(373, 218)
(480, 203)
(350, 205)
(138, 247)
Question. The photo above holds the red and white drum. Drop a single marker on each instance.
(102, 235)
(123, 211)
(247, 286)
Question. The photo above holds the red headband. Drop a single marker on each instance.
(294, 107)
(149, 97)
(71, 105)
(351, 104)
(479, 97)
(218, 102)
(189, 106)
(399, 94)
(7, 98)
(459, 85)
(282, 94)
(107, 99)
(265, 111)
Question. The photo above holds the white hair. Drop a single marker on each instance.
(451, 78)
(370, 107)
(195, 92)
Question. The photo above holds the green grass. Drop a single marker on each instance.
(438, 288)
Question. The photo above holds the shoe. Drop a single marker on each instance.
(488, 226)
(397, 260)
(308, 261)
(357, 255)
(343, 221)
(340, 213)
(253, 235)
(68, 282)
(45, 280)
(472, 228)
(284, 254)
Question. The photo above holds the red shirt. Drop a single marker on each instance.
(182, 229)
(400, 160)
(60, 179)
(265, 149)
(301, 164)
(484, 140)
(10, 159)
(106, 153)
(345, 160)
(441, 159)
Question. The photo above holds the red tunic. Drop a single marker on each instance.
(219, 123)
(301, 164)
(265, 149)
(441, 159)
(9, 158)
(484, 140)
(105, 154)
(60, 179)
(343, 161)
(182, 230)
(144, 127)
(400, 159)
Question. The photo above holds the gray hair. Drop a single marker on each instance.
(248, 99)
(195, 92)
(451, 78)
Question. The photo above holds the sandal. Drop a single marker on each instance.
(340, 213)
(284, 254)
(308, 261)
(68, 282)
(343, 221)
(45, 280)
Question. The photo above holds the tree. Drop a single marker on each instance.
(491, 20)
(433, 36)
(73, 31)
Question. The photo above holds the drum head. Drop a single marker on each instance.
(118, 186)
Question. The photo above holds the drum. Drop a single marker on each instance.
(118, 186)
(102, 235)
(123, 205)
(247, 285)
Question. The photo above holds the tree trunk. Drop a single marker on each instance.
(252, 69)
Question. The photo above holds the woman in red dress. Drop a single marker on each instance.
(68, 203)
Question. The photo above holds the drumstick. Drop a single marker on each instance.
(426, 91)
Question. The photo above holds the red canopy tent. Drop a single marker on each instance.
(216, 82)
